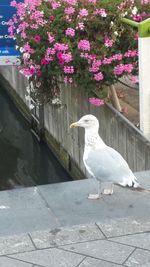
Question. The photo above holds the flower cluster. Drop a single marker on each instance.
(80, 41)
(96, 101)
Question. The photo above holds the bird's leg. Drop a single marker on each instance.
(96, 196)
(108, 191)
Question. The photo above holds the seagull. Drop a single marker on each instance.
(103, 162)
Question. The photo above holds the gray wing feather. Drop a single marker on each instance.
(107, 165)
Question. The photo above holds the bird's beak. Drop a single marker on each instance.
(74, 125)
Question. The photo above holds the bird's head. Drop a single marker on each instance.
(88, 122)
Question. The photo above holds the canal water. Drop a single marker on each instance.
(23, 160)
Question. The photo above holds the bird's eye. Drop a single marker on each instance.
(86, 120)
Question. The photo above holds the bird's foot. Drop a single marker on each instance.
(94, 196)
(107, 191)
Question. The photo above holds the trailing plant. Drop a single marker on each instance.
(83, 42)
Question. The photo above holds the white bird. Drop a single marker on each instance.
(103, 162)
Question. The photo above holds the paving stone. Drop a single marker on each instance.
(7, 262)
(66, 235)
(138, 240)
(123, 226)
(139, 258)
(52, 257)
(102, 249)
(15, 244)
(89, 262)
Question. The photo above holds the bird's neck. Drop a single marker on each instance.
(92, 139)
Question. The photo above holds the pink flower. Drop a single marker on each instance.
(99, 76)
(51, 18)
(84, 45)
(117, 57)
(68, 19)
(80, 26)
(21, 10)
(34, 26)
(27, 48)
(94, 69)
(119, 69)
(50, 51)
(67, 57)
(83, 12)
(131, 53)
(107, 61)
(26, 72)
(96, 101)
(144, 2)
(33, 4)
(61, 60)
(69, 10)
(15, 19)
(95, 66)
(36, 15)
(37, 38)
(101, 12)
(71, 2)
(108, 42)
(67, 80)
(70, 32)
(44, 61)
(11, 30)
(128, 68)
(92, 1)
(22, 26)
(137, 17)
(55, 5)
(50, 38)
(23, 35)
(32, 70)
(134, 79)
(68, 69)
(48, 58)
(61, 46)
(13, 3)
(93, 57)
(84, 55)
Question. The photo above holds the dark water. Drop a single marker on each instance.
(23, 160)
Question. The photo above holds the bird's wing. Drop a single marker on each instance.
(107, 165)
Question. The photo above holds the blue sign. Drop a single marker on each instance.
(7, 43)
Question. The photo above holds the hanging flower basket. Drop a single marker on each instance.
(79, 42)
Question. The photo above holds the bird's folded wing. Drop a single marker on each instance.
(107, 165)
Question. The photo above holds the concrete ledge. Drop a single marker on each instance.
(66, 204)
(72, 230)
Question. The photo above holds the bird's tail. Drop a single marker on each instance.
(140, 189)
(134, 185)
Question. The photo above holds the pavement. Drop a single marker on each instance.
(57, 226)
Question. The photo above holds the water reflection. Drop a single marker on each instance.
(23, 161)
